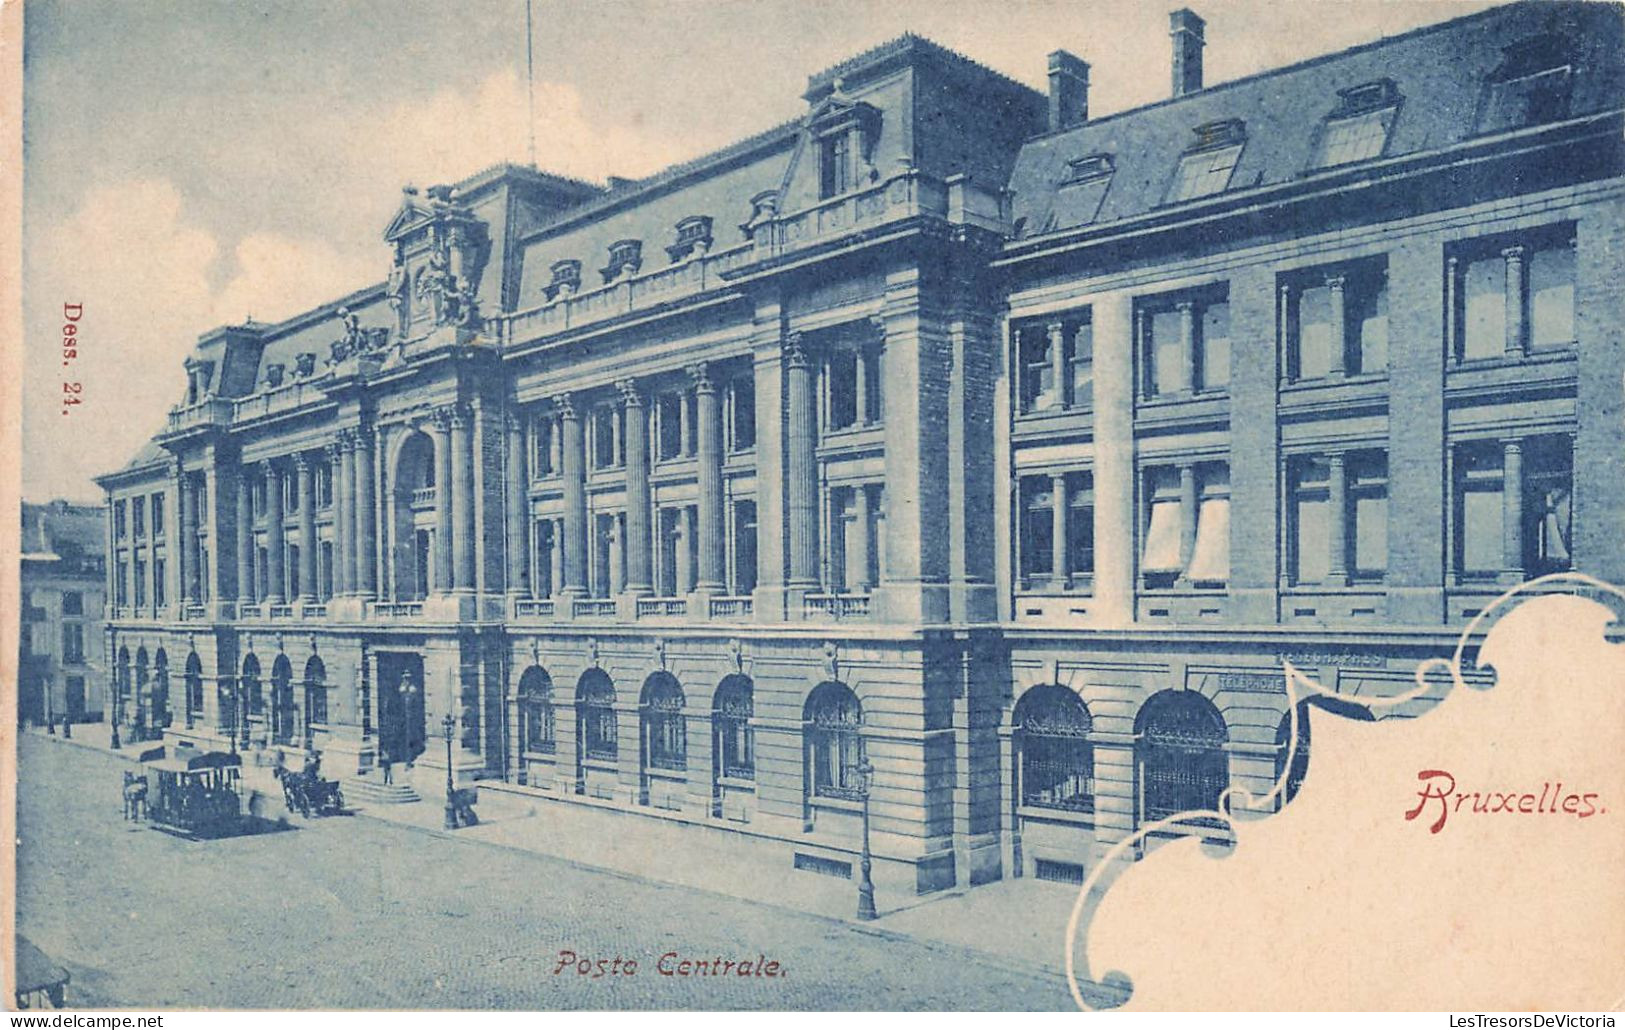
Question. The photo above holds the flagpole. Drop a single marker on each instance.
(530, 85)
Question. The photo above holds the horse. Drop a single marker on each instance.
(135, 797)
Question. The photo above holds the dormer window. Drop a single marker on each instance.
(1533, 85)
(273, 375)
(625, 258)
(1357, 129)
(844, 132)
(1087, 169)
(1205, 168)
(305, 364)
(566, 279)
(834, 165)
(693, 235)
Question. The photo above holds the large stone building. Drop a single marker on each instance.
(60, 671)
(944, 425)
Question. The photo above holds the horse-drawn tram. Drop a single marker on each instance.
(192, 795)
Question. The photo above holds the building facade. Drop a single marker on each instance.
(61, 671)
(942, 446)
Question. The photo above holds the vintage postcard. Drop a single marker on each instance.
(914, 505)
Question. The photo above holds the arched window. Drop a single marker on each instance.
(536, 712)
(1056, 760)
(831, 722)
(665, 732)
(1181, 759)
(250, 692)
(315, 698)
(735, 743)
(194, 689)
(595, 716)
(282, 700)
(1286, 753)
(160, 690)
(139, 694)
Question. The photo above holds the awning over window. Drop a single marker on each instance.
(1210, 561)
(1162, 538)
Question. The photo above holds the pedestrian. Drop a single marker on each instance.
(389, 767)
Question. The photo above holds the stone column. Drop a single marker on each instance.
(709, 474)
(1057, 362)
(860, 559)
(1187, 346)
(1187, 517)
(1337, 573)
(639, 580)
(1452, 301)
(1058, 544)
(344, 518)
(275, 568)
(366, 516)
(1114, 459)
(801, 494)
(442, 501)
(518, 502)
(1512, 570)
(1517, 308)
(575, 498)
(177, 539)
(462, 500)
(307, 527)
(1340, 325)
(245, 537)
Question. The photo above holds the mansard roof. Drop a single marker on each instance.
(1439, 71)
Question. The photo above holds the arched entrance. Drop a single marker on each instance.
(1180, 761)
(160, 691)
(282, 711)
(139, 694)
(597, 744)
(402, 725)
(733, 741)
(412, 519)
(537, 735)
(830, 733)
(315, 699)
(250, 697)
(662, 740)
(194, 689)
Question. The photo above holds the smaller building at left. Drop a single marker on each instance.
(61, 670)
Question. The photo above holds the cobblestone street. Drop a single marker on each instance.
(354, 912)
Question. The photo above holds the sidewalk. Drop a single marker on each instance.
(1020, 923)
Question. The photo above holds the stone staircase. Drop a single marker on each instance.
(374, 791)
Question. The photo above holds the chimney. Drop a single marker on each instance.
(1068, 91)
(1186, 29)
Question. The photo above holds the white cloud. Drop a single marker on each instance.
(277, 277)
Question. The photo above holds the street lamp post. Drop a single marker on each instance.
(118, 711)
(231, 730)
(449, 723)
(866, 886)
(244, 702)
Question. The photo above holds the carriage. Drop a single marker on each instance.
(194, 795)
(307, 793)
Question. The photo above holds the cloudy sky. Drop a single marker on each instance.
(190, 163)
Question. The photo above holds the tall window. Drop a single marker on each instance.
(1180, 756)
(1478, 509)
(834, 165)
(325, 573)
(1213, 347)
(1164, 350)
(730, 721)
(1184, 345)
(595, 716)
(1533, 274)
(1037, 369)
(1368, 514)
(536, 712)
(119, 584)
(315, 695)
(1037, 526)
(1210, 557)
(1080, 523)
(1057, 762)
(1548, 504)
(159, 586)
(742, 412)
(1323, 340)
(1160, 560)
(1551, 295)
(832, 718)
(1310, 521)
(324, 485)
(1171, 518)
(665, 731)
(140, 583)
(671, 420)
(118, 519)
(744, 547)
(606, 427)
(157, 514)
(841, 388)
(1081, 365)
(138, 510)
(73, 643)
(541, 436)
(73, 602)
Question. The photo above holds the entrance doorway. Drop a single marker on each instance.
(401, 723)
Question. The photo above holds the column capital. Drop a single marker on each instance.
(564, 404)
(177, 468)
(1185, 307)
(1058, 479)
(795, 351)
(1514, 253)
(334, 449)
(269, 468)
(631, 394)
(302, 462)
(878, 323)
(441, 417)
(459, 417)
(1055, 329)
(513, 422)
(1336, 282)
(700, 373)
(361, 437)
(1512, 445)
